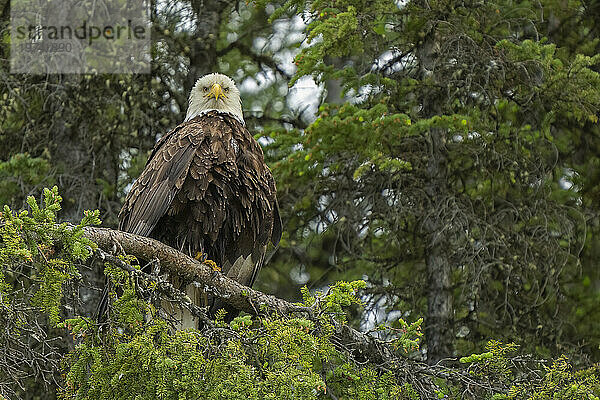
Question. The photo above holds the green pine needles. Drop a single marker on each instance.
(34, 239)
(249, 358)
(137, 355)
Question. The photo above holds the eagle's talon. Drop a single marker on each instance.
(116, 247)
(213, 265)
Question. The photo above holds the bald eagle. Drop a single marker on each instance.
(207, 190)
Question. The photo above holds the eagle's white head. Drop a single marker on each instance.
(215, 92)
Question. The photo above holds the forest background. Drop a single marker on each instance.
(445, 153)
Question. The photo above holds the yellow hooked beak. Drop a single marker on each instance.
(217, 91)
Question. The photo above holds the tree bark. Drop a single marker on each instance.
(233, 293)
(438, 324)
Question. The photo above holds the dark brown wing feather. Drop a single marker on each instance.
(163, 176)
(206, 188)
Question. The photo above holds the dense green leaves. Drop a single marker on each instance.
(268, 358)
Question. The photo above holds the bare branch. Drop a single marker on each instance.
(260, 59)
(261, 119)
(235, 294)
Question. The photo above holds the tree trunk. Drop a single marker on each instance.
(439, 326)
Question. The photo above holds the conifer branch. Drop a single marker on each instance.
(235, 294)
(160, 285)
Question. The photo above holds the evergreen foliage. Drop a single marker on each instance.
(273, 358)
(40, 259)
(138, 355)
(449, 143)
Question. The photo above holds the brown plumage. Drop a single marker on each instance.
(206, 189)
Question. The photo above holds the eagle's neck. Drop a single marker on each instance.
(191, 116)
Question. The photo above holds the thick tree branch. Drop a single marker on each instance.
(239, 296)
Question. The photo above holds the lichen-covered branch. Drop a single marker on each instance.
(239, 296)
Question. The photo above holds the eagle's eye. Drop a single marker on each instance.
(226, 90)
(205, 89)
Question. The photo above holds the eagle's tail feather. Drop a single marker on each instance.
(244, 271)
(185, 319)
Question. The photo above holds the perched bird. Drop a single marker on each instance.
(207, 191)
